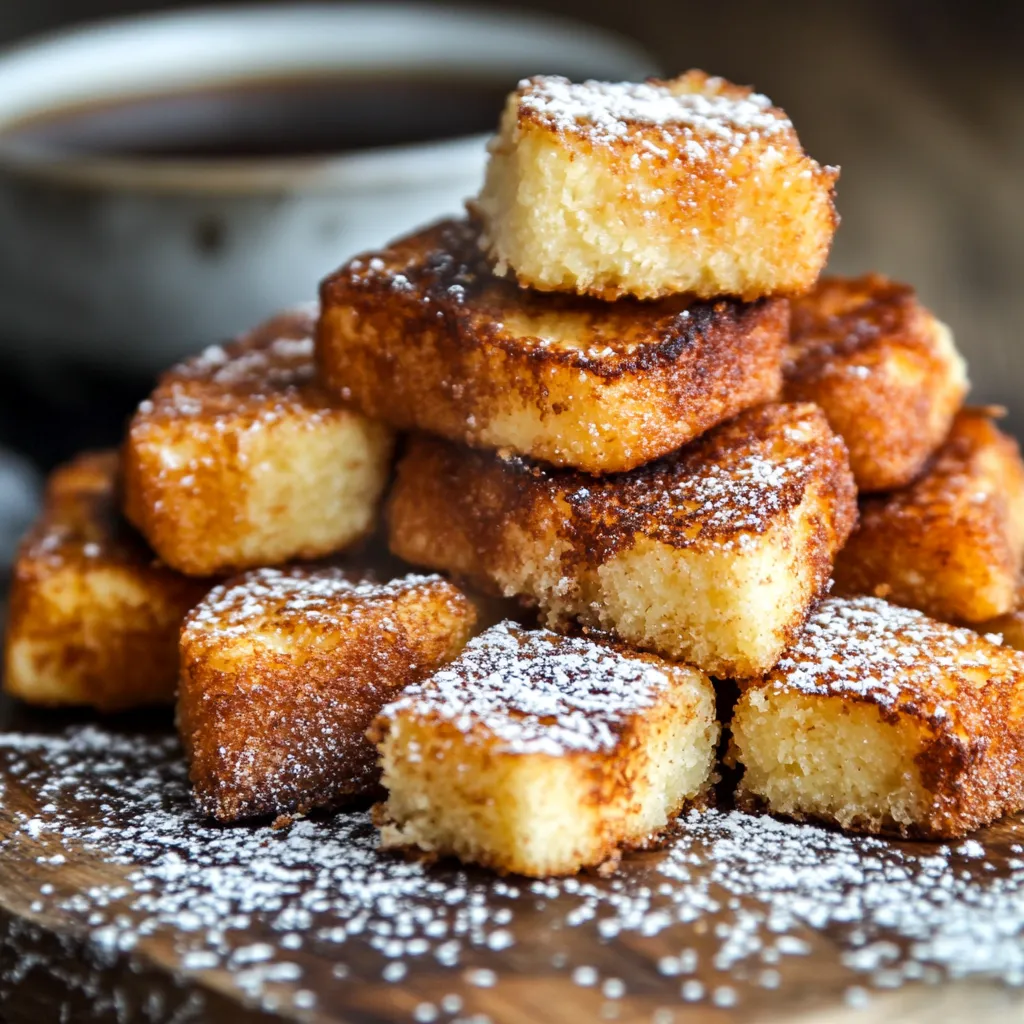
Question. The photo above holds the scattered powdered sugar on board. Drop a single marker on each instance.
(312, 918)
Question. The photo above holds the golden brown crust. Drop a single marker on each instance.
(282, 672)
(688, 185)
(94, 616)
(422, 335)
(228, 463)
(80, 509)
(271, 363)
(882, 368)
(951, 543)
(676, 500)
(471, 513)
(587, 714)
(965, 695)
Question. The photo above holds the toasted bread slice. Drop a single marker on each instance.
(94, 617)
(422, 335)
(239, 458)
(883, 369)
(1009, 627)
(692, 185)
(283, 670)
(951, 543)
(712, 555)
(882, 720)
(541, 754)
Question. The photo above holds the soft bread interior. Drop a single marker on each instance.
(825, 757)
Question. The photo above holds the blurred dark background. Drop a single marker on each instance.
(921, 103)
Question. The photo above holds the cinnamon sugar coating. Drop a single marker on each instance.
(713, 554)
(94, 616)
(884, 370)
(423, 336)
(692, 185)
(951, 543)
(883, 720)
(282, 671)
(540, 754)
(240, 458)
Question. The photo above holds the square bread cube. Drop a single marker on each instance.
(712, 555)
(542, 754)
(94, 616)
(423, 336)
(691, 185)
(882, 720)
(951, 543)
(239, 458)
(283, 670)
(883, 369)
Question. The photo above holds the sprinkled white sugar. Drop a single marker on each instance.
(739, 495)
(310, 597)
(266, 370)
(609, 111)
(733, 897)
(867, 646)
(536, 692)
(757, 469)
(971, 848)
(260, 378)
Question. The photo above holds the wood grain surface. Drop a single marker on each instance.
(58, 960)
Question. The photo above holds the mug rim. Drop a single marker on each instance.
(281, 30)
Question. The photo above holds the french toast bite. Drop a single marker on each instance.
(712, 555)
(882, 720)
(424, 336)
(94, 616)
(282, 671)
(692, 185)
(240, 458)
(541, 754)
(884, 370)
(951, 543)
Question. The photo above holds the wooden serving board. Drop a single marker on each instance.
(117, 903)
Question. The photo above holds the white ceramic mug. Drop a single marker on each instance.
(135, 262)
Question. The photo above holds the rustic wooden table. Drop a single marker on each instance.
(117, 904)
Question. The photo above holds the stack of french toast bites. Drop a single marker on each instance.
(620, 394)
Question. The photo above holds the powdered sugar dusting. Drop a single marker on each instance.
(722, 490)
(304, 919)
(535, 692)
(867, 646)
(313, 598)
(265, 375)
(739, 495)
(282, 362)
(714, 115)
